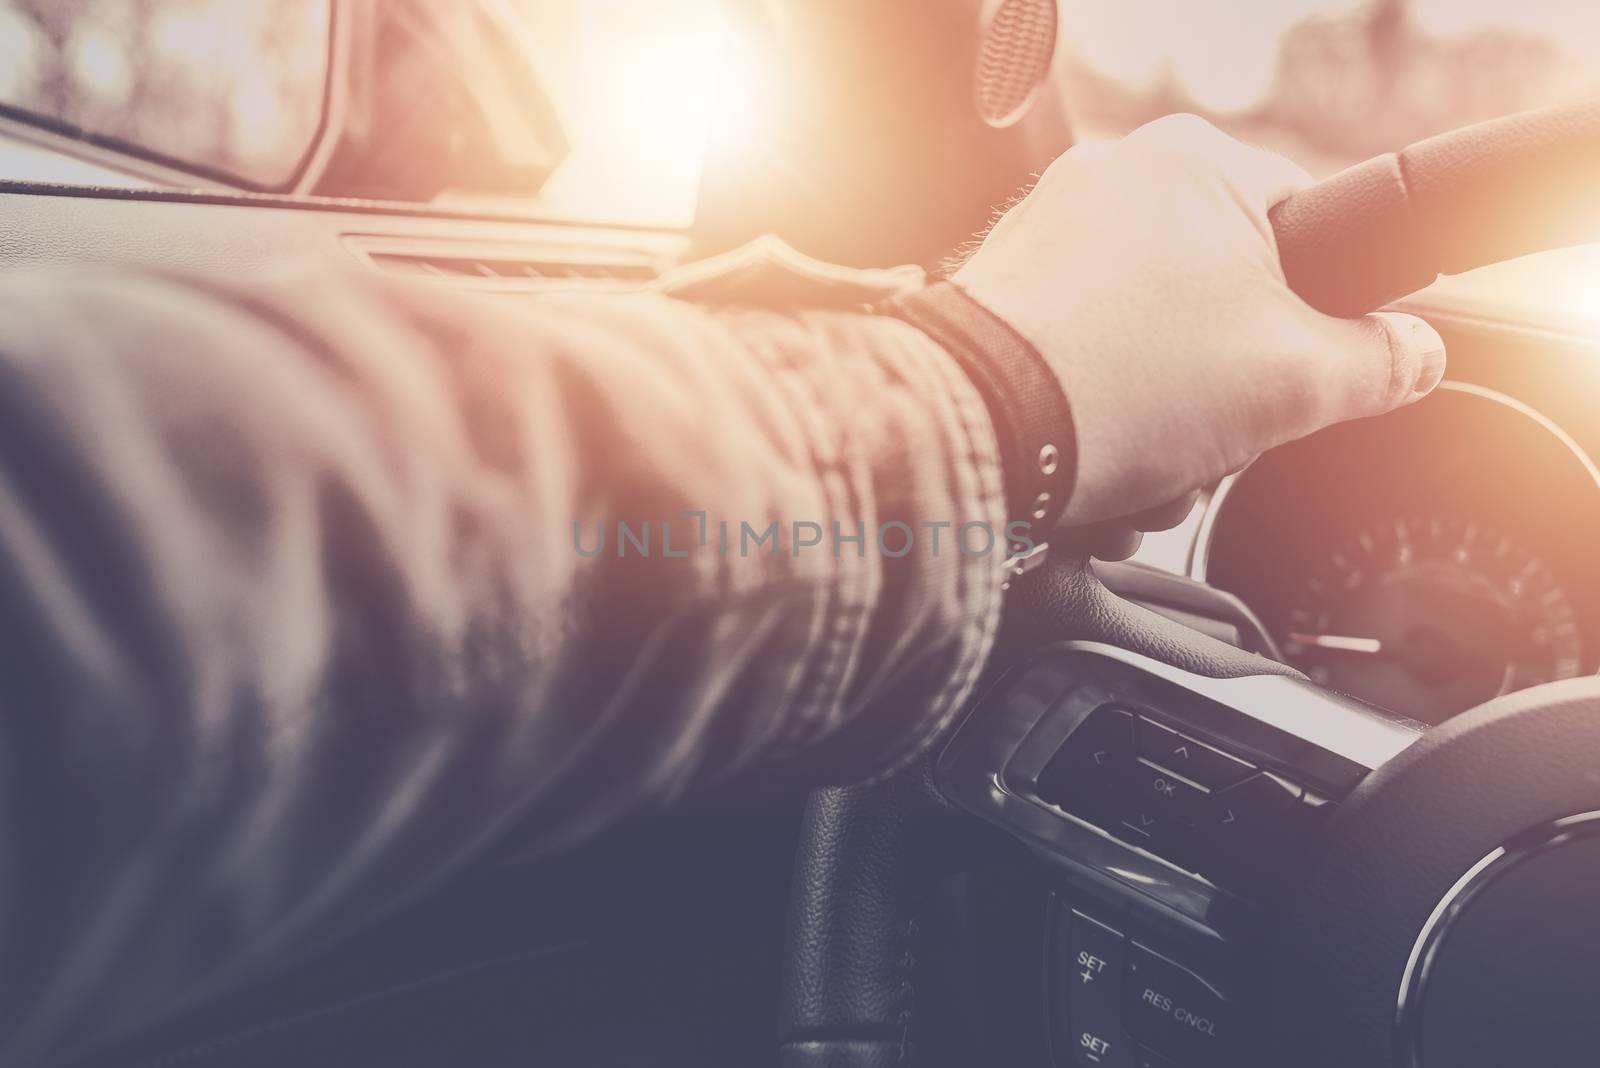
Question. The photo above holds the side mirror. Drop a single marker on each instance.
(440, 96)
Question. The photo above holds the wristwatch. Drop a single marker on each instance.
(1031, 416)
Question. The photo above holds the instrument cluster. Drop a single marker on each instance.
(1425, 561)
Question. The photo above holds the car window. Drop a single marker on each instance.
(596, 110)
(222, 88)
(1327, 82)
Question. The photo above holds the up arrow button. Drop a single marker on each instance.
(1194, 760)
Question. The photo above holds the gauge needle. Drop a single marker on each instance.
(1339, 642)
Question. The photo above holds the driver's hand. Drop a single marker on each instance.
(1147, 274)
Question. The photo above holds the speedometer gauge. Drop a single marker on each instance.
(1430, 615)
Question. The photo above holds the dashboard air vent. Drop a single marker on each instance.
(513, 267)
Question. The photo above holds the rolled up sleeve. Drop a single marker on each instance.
(318, 584)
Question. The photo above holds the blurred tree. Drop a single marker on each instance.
(1350, 83)
(1360, 84)
(235, 86)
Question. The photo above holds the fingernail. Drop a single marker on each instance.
(1430, 357)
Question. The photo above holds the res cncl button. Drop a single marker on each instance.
(1170, 1009)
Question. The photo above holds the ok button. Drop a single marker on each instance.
(1162, 788)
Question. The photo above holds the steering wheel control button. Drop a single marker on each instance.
(1175, 1012)
(1167, 792)
(1097, 958)
(1085, 775)
(1183, 800)
(1262, 811)
(1194, 760)
(1100, 1049)
(1258, 832)
(1144, 826)
(1090, 973)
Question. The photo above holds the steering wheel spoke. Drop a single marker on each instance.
(1179, 810)
(1200, 793)
(1255, 871)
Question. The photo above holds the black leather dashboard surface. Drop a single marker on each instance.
(42, 226)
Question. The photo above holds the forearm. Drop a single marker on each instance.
(306, 608)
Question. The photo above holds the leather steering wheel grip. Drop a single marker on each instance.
(1464, 199)
(1066, 601)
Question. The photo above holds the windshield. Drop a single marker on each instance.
(1332, 82)
(635, 87)
(600, 110)
(1326, 82)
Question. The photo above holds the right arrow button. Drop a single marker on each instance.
(1254, 826)
(1260, 810)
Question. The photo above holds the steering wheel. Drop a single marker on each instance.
(1247, 869)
